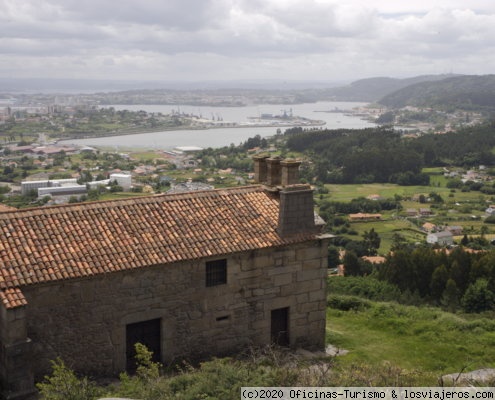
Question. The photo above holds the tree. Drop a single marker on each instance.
(86, 176)
(398, 242)
(451, 296)
(333, 257)
(351, 263)
(484, 230)
(438, 282)
(372, 241)
(478, 297)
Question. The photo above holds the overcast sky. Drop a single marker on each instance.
(198, 40)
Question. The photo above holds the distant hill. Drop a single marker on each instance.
(373, 89)
(466, 92)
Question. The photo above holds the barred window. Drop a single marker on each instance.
(216, 272)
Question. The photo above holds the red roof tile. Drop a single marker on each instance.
(70, 241)
(12, 298)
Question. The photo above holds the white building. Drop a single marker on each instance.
(61, 190)
(27, 186)
(95, 184)
(444, 238)
(124, 180)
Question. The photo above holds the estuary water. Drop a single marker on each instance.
(333, 113)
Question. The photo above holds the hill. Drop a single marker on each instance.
(468, 92)
(373, 89)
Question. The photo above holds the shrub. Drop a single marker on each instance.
(478, 297)
(63, 384)
(347, 303)
(144, 384)
(367, 287)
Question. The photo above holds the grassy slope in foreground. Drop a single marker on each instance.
(423, 343)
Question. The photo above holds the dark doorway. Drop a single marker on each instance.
(147, 333)
(280, 326)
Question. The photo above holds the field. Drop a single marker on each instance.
(386, 229)
(420, 343)
(466, 209)
(388, 190)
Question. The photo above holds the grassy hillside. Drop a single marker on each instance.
(424, 342)
(373, 89)
(471, 92)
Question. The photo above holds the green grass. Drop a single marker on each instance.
(388, 190)
(458, 209)
(386, 229)
(426, 340)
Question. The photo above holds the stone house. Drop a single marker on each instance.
(412, 212)
(456, 230)
(365, 217)
(425, 212)
(444, 238)
(189, 275)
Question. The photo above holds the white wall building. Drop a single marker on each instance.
(26, 186)
(124, 180)
(443, 238)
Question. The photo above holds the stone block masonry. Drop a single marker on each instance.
(84, 321)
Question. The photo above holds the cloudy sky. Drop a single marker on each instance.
(198, 40)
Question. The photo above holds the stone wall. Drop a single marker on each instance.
(84, 321)
(15, 354)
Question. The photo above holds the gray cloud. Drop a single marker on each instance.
(243, 39)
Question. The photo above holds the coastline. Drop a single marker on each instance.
(234, 125)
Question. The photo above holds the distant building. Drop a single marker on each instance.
(53, 187)
(443, 238)
(62, 190)
(490, 210)
(456, 230)
(428, 227)
(189, 187)
(96, 184)
(425, 212)
(412, 212)
(124, 180)
(374, 197)
(365, 217)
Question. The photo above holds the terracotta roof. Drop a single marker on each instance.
(12, 298)
(63, 242)
(4, 207)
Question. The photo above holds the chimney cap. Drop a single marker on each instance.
(290, 161)
(297, 187)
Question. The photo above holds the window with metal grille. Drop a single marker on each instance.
(216, 272)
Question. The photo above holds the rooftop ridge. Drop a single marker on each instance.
(79, 240)
(153, 198)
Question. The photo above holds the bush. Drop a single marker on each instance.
(347, 303)
(367, 287)
(63, 384)
(478, 297)
(144, 384)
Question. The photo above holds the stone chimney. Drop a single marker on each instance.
(296, 212)
(273, 171)
(260, 169)
(296, 215)
(290, 172)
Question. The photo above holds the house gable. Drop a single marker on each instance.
(65, 242)
(80, 281)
